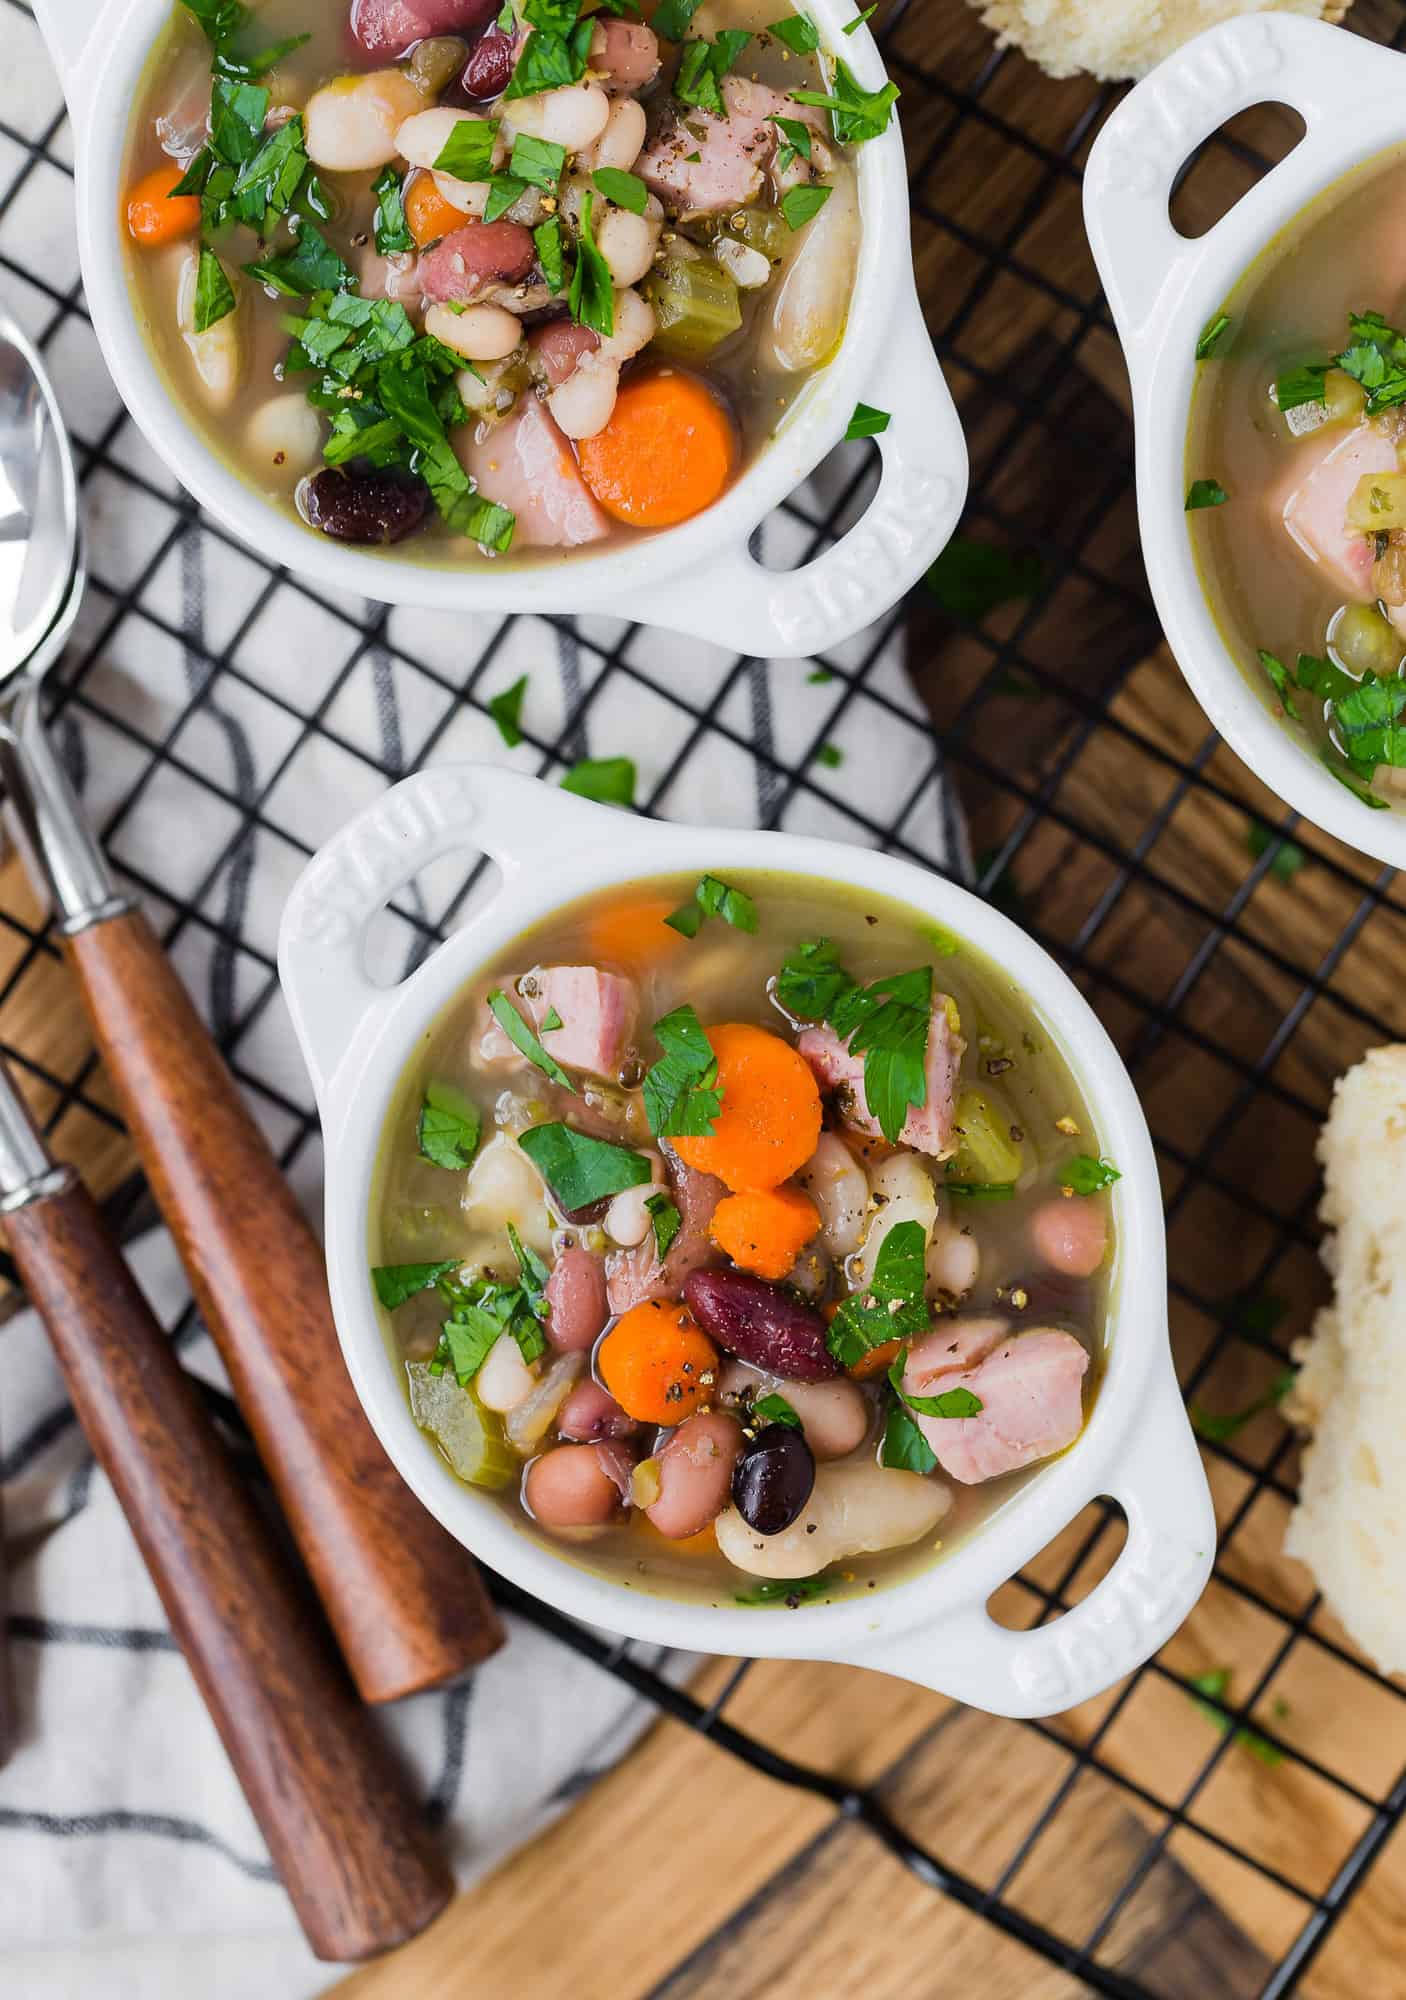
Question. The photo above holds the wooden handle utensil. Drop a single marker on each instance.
(406, 1602)
(342, 1829)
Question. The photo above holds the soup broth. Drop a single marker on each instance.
(501, 281)
(834, 1318)
(1295, 481)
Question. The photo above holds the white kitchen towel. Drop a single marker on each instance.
(221, 720)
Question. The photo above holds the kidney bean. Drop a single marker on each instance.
(773, 1479)
(761, 1323)
(573, 1486)
(488, 68)
(591, 1413)
(576, 1305)
(695, 1473)
(1071, 1234)
(365, 506)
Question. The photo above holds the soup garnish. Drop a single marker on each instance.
(743, 1229)
(528, 276)
(1296, 491)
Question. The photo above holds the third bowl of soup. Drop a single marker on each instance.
(1269, 383)
(758, 1248)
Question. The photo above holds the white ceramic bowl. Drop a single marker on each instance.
(934, 1628)
(1163, 288)
(698, 578)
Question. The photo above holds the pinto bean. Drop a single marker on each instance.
(625, 54)
(695, 1474)
(572, 1486)
(1070, 1234)
(468, 260)
(590, 1413)
(576, 1302)
(856, 1509)
(760, 1323)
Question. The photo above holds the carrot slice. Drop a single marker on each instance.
(876, 1361)
(634, 934)
(668, 451)
(770, 1117)
(657, 1363)
(765, 1233)
(155, 215)
(428, 216)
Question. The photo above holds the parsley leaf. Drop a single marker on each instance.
(893, 1307)
(797, 137)
(506, 709)
(798, 32)
(671, 18)
(1278, 675)
(812, 982)
(713, 897)
(312, 265)
(790, 1591)
(392, 231)
(853, 27)
(625, 190)
(888, 1024)
(395, 1283)
(503, 191)
(981, 1190)
(1320, 676)
(547, 237)
(539, 162)
(1087, 1176)
(904, 1448)
(666, 1222)
(1300, 385)
(608, 780)
(1354, 784)
(237, 114)
(1205, 493)
(580, 1170)
(680, 1094)
(1369, 719)
(703, 66)
(467, 154)
(550, 59)
(1376, 357)
(952, 1403)
(856, 114)
(522, 1037)
(800, 204)
(867, 422)
(1211, 335)
(774, 1409)
(592, 296)
(404, 390)
(448, 1128)
(214, 295)
(971, 577)
(830, 755)
(533, 1273)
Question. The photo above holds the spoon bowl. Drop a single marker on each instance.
(39, 529)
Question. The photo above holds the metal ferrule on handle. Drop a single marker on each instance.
(48, 819)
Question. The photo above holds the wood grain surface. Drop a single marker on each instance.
(349, 1841)
(406, 1601)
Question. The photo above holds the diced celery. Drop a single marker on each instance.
(695, 305)
(1378, 503)
(1343, 395)
(1364, 641)
(763, 229)
(470, 1436)
(987, 1152)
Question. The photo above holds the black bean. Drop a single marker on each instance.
(366, 506)
(772, 1480)
(761, 1323)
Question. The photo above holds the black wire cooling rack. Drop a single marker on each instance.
(1240, 960)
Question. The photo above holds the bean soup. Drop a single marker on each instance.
(747, 1240)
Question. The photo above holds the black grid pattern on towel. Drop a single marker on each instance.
(1009, 251)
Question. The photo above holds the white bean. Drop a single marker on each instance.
(422, 138)
(903, 1192)
(954, 1260)
(469, 196)
(628, 242)
(634, 328)
(583, 403)
(748, 267)
(350, 125)
(839, 1187)
(574, 116)
(218, 353)
(812, 304)
(627, 1220)
(479, 333)
(284, 436)
(622, 141)
(856, 1508)
(503, 1186)
(504, 1380)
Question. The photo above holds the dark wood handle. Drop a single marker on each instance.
(343, 1832)
(407, 1604)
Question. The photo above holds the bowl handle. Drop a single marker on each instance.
(736, 602)
(1323, 72)
(519, 821)
(1159, 1573)
(67, 27)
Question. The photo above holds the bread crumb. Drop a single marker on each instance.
(1113, 39)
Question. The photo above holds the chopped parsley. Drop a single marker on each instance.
(887, 1023)
(392, 231)
(790, 1591)
(539, 162)
(506, 709)
(480, 1313)
(1368, 718)
(681, 1098)
(214, 295)
(665, 1221)
(797, 31)
(1212, 1687)
(625, 190)
(702, 67)
(981, 1190)
(856, 114)
(830, 755)
(853, 27)
(774, 1409)
(1375, 356)
(971, 577)
(904, 1448)
(1289, 857)
(395, 1283)
(1217, 1426)
(1304, 384)
(867, 422)
(555, 54)
(713, 897)
(550, 255)
(467, 154)
(892, 1306)
(1278, 676)
(1205, 493)
(311, 266)
(591, 298)
(608, 780)
(1211, 335)
(1083, 1175)
(671, 18)
(797, 137)
(522, 1038)
(799, 205)
(580, 1170)
(447, 1131)
(503, 191)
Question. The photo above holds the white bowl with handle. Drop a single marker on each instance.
(1163, 288)
(698, 578)
(933, 1628)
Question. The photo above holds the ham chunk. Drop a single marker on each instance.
(525, 463)
(930, 1127)
(1030, 1386)
(389, 29)
(597, 1011)
(1315, 512)
(466, 262)
(634, 1275)
(698, 164)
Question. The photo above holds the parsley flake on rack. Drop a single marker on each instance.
(1217, 1426)
(713, 897)
(523, 1039)
(580, 1170)
(447, 1131)
(1289, 857)
(506, 709)
(680, 1094)
(608, 780)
